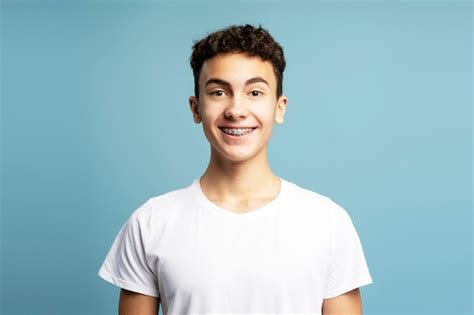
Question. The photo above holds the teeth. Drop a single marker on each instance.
(237, 131)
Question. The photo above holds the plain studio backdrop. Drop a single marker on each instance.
(95, 121)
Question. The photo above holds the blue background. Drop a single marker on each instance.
(95, 120)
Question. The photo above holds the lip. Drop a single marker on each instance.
(232, 137)
(239, 127)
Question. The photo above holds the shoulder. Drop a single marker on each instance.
(171, 197)
(309, 196)
(164, 203)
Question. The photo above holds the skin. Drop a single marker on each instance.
(349, 303)
(238, 90)
(133, 303)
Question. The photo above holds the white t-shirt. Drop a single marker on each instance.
(283, 258)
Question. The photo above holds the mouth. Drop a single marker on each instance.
(237, 132)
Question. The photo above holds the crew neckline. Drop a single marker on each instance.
(265, 209)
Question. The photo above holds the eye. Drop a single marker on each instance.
(217, 93)
(256, 93)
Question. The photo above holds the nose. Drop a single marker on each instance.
(236, 108)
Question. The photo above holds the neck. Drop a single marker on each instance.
(224, 179)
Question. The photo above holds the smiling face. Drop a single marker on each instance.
(237, 105)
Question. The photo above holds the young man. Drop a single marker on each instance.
(239, 239)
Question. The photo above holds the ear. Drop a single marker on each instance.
(194, 106)
(280, 110)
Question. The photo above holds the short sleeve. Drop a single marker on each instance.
(347, 269)
(126, 264)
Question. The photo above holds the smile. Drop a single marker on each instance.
(236, 132)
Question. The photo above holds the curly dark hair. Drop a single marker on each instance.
(239, 39)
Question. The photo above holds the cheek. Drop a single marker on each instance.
(209, 116)
(209, 123)
(265, 112)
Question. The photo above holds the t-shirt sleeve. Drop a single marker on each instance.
(347, 269)
(126, 264)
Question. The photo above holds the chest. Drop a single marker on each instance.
(269, 264)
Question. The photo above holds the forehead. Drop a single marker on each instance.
(237, 69)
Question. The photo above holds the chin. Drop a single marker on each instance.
(239, 156)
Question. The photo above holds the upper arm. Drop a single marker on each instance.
(133, 303)
(348, 303)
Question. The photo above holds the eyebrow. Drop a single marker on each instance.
(226, 83)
